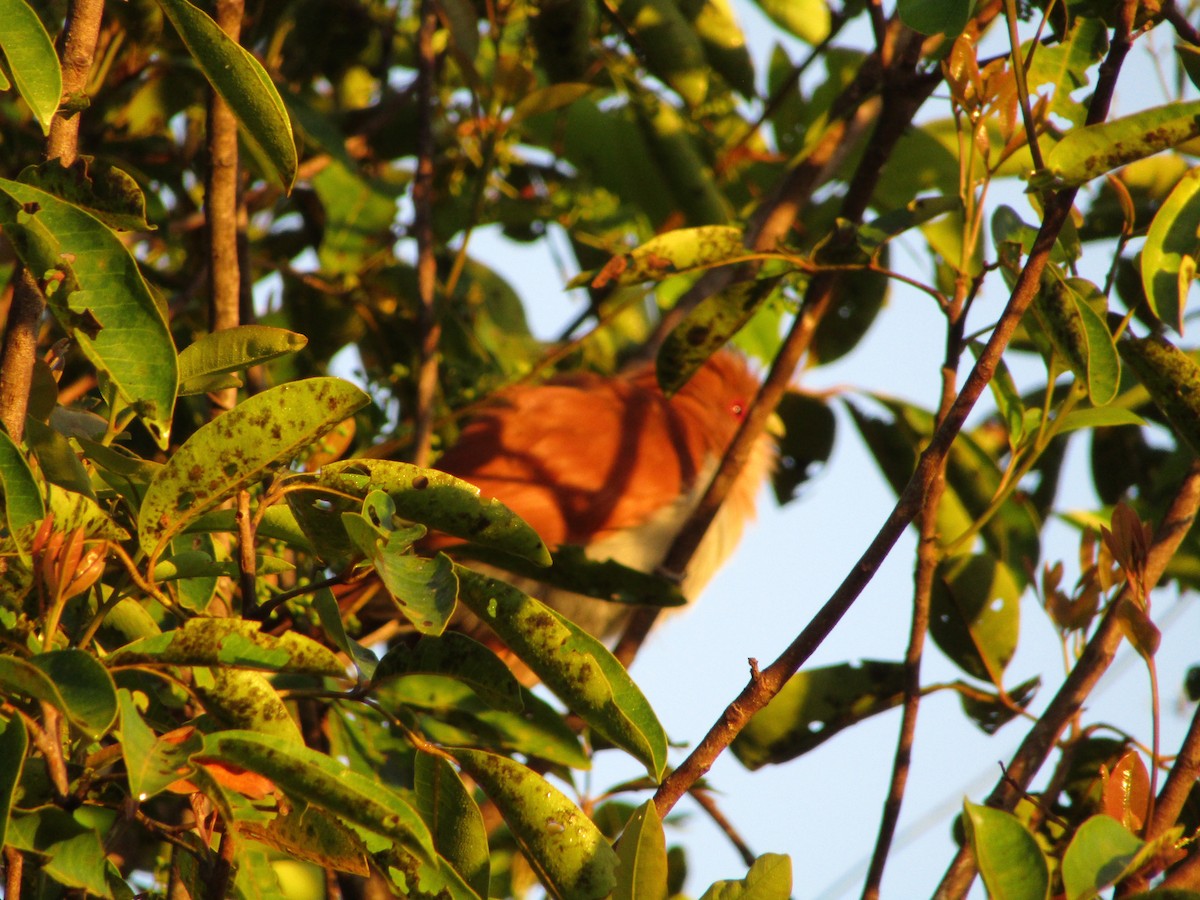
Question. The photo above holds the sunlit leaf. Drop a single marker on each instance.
(975, 614)
(642, 857)
(317, 779)
(1173, 380)
(681, 250)
(570, 855)
(769, 878)
(242, 83)
(1088, 152)
(1009, 858)
(102, 299)
(456, 656)
(575, 666)
(238, 643)
(239, 447)
(31, 60)
(670, 46)
(1097, 856)
(233, 349)
(1171, 249)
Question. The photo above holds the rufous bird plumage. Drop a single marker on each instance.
(611, 464)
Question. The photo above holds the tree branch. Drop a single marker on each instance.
(429, 331)
(79, 36)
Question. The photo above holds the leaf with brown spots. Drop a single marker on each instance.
(261, 433)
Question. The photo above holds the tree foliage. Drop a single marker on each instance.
(186, 707)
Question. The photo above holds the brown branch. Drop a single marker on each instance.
(221, 203)
(1101, 648)
(929, 555)
(79, 36)
(14, 865)
(756, 694)
(1094, 661)
(423, 199)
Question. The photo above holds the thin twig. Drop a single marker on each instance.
(14, 864)
(247, 563)
(423, 199)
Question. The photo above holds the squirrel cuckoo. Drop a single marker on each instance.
(611, 464)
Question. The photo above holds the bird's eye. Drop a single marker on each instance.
(738, 408)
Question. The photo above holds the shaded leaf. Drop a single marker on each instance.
(100, 189)
(975, 614)
(454, 819)
(947, 17)
(152, 763)
(244, 699)
(667, 42)
(816, 704)
(13, 741)
(23, 507)
(457, 656)
(70, 680)
(1173, 380)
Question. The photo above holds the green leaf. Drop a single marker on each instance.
(56, 458)
(13, 741)
(317, 779)
(1105, 417)
(70, 680)
(455, 715)
(243, 84)
(1099, 855)
(708, 328)
(311, 834)
(151, 763)
(809, 426)
(769, 878)
(816, 704)
(330, 617)
(725, 45)
(101, 287)
(576, 667)
(233, 349)
(454, 819)
(1169, 255)
(671, 49)
(423, 589)
(68, 847)
(238, 448)
(230, 642)
(975, 614)
(874, 234)
(573, 570)
(31, 59)
(240, 698)
(547, 99)
(23, 507)
(459, 657)
(1088, 152)
(568, 852)
(1173, 380)
(100, 189)
(948, 17)
(808, 20)
(435, 499)
(1009, 858)
(642, 857)
(670, 253)
(1064, 66)
(1065, 310)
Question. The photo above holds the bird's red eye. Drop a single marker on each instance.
(738, 408)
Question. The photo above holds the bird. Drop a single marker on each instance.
(611, 464)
